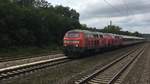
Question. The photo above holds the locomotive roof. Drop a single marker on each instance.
(92, 32)
(131, 37)
(78, 30)
(85, 31)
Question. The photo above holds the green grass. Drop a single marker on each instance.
(18, 52)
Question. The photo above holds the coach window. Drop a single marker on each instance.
(101, 36)
(116, 37)
(89, 35)
(96, 35)
(86, 35)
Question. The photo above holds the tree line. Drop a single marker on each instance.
(34, 23)
(26, 23)
(115, 30)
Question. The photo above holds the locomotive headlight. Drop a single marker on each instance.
(77, 45)
(76, 42)
(71, 41)
(65, 45)
(65, 41)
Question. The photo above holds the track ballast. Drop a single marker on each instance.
(110, 73)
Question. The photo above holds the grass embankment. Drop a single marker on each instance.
(26, 52)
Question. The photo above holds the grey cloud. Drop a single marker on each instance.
(97, 13)
(134, 7)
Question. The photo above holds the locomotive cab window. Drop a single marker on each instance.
(73, 35)
(117, 37)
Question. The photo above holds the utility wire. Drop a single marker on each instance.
(129, 12)
(113, 6)
(126, 7)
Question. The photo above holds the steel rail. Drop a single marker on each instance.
(21, 58)
(89, 77)
(24, 68)
(112, 81)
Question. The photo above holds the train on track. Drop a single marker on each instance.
(78, 42)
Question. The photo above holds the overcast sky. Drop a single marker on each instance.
(131, 15)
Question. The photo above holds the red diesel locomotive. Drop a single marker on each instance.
(78, 42)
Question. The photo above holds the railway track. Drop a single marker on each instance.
(111, 73)
(6, 59)
(13, 71)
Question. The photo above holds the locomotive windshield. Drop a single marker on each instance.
(73, 34)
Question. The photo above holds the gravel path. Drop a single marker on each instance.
(140, 73)
(63, 73)
(28, 60)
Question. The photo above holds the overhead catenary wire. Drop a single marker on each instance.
(117, 10)
(129, 12)
(126, 7)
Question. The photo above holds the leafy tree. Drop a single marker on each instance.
(41, 4)
(136, 33)
(24, 3)
(112, 29)
(34, 23)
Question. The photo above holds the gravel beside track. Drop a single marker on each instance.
(64, 73)
(140, 72)
(27, 60)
